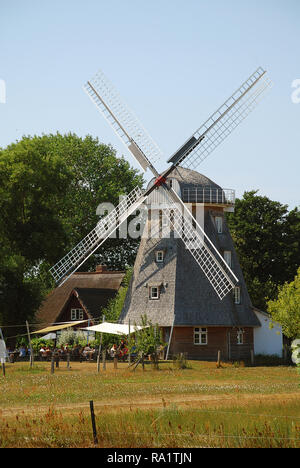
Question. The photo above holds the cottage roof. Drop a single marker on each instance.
(94, 299)
(58, 297)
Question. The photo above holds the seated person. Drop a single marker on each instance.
(22, 352)
(123, 350)
(43, 352)
(114, 351)
(86, 351)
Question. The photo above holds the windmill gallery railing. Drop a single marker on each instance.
(208, 194)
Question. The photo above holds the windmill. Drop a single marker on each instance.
(193, 151)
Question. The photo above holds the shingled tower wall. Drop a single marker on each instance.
(187, 307)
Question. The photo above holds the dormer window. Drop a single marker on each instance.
(219, 224)
(227, 257)
(159, 256)
(237, 295)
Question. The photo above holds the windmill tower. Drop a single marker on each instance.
(191, 251)
(168, 286)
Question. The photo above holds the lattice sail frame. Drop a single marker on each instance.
(213, 265)
(105, 227)
(226, 118)
(126, 125)
(145, 150)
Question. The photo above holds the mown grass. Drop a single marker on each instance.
(251, 408)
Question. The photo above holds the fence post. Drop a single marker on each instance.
(30, 346)
(100, 347)
(219, 359)
(115, 362)
(52, 363)
(129, 344)
(252, 357)
(56, 359)
(68, 361)
(143, 364)
(104, 359)
(3, 367)
(93, 422)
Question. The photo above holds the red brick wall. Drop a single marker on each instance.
(222, 339)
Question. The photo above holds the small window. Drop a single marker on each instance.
(200, 336)
(165, 220)
(154, 292)
(227, 257)
(76, 314)
(237, 295)
(240, 336)
(219, 224)
(159, 256)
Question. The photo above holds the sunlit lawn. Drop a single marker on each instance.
(81, 383)
(200, 406)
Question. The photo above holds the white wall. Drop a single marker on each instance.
(267, 340)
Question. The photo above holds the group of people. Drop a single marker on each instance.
(120, 351)
(45, 352)
(18, 353)
(77, 352)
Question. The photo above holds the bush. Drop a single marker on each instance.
(37, 343)
(71, 338)
(180, 361)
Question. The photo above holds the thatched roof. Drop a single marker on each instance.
(93, 299)
(99, 280)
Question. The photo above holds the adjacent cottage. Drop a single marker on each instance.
(82, 296)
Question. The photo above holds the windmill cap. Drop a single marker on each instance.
(189, 178)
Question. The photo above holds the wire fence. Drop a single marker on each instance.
(137, 439)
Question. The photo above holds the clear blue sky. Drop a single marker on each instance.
(174, 62)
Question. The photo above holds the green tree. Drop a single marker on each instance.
(266, 237)
(31, 233)
(33, 181)
(148, 340)
(98, 176)
(50, 188)
(114, 307)
(286, 308)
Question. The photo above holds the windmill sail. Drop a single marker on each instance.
(106, 226)
(124, 122)
(147, 153)
(222, 122)
(218, 273)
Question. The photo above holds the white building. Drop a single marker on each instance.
(267, 340)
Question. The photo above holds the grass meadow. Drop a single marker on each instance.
(201, 406)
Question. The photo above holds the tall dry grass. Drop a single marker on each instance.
(235, 427)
